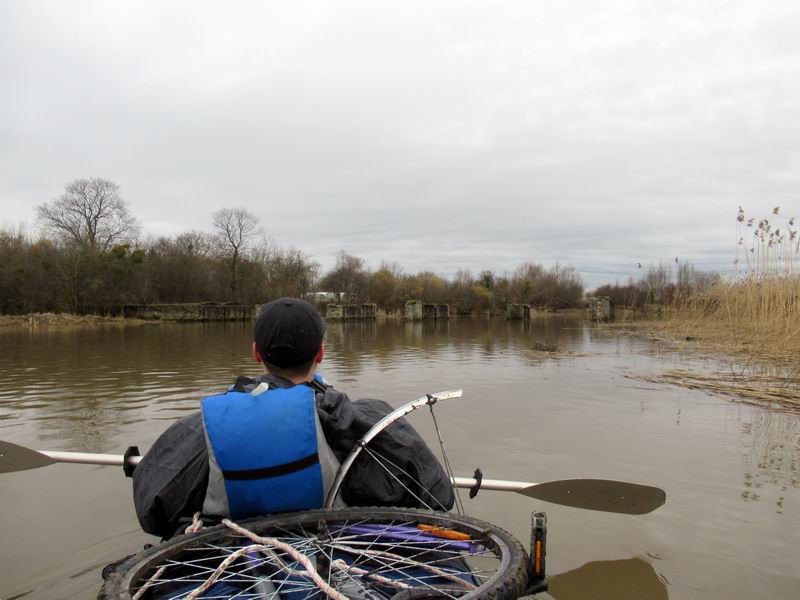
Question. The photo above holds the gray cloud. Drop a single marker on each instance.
(439, 135)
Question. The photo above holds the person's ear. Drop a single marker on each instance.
(257, 355)
(320, 354)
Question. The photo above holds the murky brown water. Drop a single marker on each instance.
(730, 528)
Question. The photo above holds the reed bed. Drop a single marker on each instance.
(753, 316)
(756, 311)
(756, 319)
(757, 389)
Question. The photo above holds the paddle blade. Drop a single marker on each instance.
(599, 494)
(18, 458)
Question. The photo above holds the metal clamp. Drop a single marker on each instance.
(478, 477)
(127, 465)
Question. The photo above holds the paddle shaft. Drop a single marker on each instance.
(116, 460)
(499, 485)
(592, 494)
(90, 458)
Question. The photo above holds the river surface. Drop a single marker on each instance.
(730, 528)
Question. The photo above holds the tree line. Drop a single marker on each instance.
(389, 287)
(88, 257)
(660, 286)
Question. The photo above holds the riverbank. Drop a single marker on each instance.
(565, 313)
(744, 342)
(63, 319)
(752, 323)
(752, 320)
(68, 319)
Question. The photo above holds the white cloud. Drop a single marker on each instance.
(438, 135)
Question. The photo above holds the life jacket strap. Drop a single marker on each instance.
(276, 471)
(317, 386)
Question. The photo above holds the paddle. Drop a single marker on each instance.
(592, 494)
(19, 458)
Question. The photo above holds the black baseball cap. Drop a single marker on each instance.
(288, 332)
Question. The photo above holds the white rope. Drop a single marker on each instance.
(222, 567)
(343, 566)
(267, 546)
(197, 524)
(291, 551)
(262, 544)
(149, 582)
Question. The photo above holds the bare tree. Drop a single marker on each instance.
(293, 273)
(235, 228)
(195, 243)
(349, 279)
(90, 213)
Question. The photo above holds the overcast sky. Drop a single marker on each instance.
(436, 134)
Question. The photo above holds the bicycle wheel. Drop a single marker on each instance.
(360, 553)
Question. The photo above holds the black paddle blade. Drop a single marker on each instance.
(18, 458)
(600, 494)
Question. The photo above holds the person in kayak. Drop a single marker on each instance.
(274, 443)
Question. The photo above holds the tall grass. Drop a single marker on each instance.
(757, 310)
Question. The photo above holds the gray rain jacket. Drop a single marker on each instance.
(169, 484)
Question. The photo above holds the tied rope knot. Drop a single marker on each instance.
(261, 544)
(196, 525)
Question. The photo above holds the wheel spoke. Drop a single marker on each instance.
(298, 555)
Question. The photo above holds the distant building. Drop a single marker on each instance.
(320, 297)
(343, 312)
(518, 311)
(189, 311)
(601, 308)
(416, 310)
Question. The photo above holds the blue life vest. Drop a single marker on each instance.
(264, 446)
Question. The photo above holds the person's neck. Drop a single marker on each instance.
(296, 379)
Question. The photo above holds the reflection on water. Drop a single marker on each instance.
(770, 448)
(729, 529)
(360, 344)
(82, 386)
(631, 579)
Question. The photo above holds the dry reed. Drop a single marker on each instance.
(756, 389)
(753, 315)
(756, 312)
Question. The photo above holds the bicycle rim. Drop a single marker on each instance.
(361, 553)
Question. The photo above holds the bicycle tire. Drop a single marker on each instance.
(508, 579)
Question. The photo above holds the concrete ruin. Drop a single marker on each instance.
(416, 310)
(601, 308)
(346, 312)
(516, 312)
(189, 311)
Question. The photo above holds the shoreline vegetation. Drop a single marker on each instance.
(754, 314)
(88, 259)
(35, 320)
(757, 389)
(67, 319)
(752, 317)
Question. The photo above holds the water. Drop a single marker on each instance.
(730, 528)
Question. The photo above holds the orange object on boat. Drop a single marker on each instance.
(448, 534)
